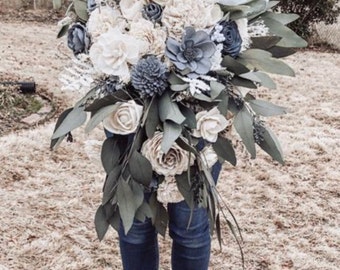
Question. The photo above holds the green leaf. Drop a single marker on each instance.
(238, 81)
(251, 76)
(186, 146)
(80, 7)
(110, 185)
(225, 150)
(99, 116)
(223, 104)
(190, 117)
(140, 168)
(264, 43)
(174, 79)
(110, 154)
(144, 211)
(73, 119)
(289, 37)
(63, 30)
(169, 110)
(271, 145)
(243, 124)
(280, 52)
(171, 132)
(160, 215)
(266, 81)
(152, 120)
(283, 18)
(266, 108)
(179, 87)
(100, 222)
(184, 188)
(262, 60)
(118, 96)
(233, 65)
(215, 89)
(55, 142)
(129, 200)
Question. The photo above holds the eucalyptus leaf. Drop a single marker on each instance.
(238, 81)
(63, 30)
(262, 60)
(73, 119)
(140, 168)
(184, 188)
(280, 52)
(179, 87)
(160, 215)
(143, 212)
(110, 185)
(243, 124)
(80, 7)
(289, 37)
(251, 76)
(264, 43)
(101, 224)
(110, 154)
(127, 201)
(174, 79)
(215, 89)
(118, 96)
(266, 108)
(169, 110)
(233, 65)
(115, 220)
(171, 132)
(283, 18)
(186, 146)
(223, 104)
(224, 149)
(190, 117)
(99, 116)
(271, 145)
(55, 142)
(266, 81)
(152, 120)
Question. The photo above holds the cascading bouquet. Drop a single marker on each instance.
(169, 80)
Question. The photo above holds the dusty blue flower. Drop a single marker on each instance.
(149, 76)
(78, 39)
(153, 12)
(230, 38)
(192, 55)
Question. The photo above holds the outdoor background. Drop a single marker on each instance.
(289, 215)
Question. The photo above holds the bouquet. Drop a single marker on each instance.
(172, 82)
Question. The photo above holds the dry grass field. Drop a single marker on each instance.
(289, 215)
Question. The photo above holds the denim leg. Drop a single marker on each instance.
(139, 248)
(191, 246)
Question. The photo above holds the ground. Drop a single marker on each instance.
(289, 215)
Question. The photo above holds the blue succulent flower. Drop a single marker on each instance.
(192, 56)
(78, 39)
(153, 12)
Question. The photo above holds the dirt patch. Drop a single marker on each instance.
(289, 214)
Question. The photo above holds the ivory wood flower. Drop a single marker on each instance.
(125, 119)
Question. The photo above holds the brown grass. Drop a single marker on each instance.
(289, 214)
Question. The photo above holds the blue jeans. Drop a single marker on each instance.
(190, 246)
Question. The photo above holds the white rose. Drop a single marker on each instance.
(132, 9)
(168, 192)
(114, 51)
(175, 161)
(179, 14)
(209, 124)
(125, 119)
(102, 19)
(154, 37)
(209, 156)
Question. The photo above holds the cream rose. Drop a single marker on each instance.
(114, 51)
(208, 156)
(174, 162)
(209, 124)
(104, 18)
(125, 119)
(179, 14)
(168, 192)
(154, 37)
